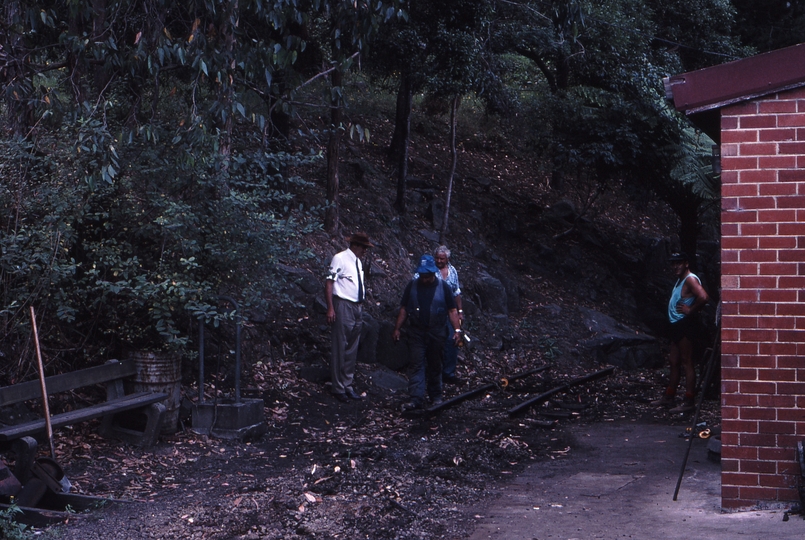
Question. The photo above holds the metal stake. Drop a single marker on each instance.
(711, 362)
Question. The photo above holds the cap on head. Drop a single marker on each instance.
(679, 256)
(360, 238)
(427, 265)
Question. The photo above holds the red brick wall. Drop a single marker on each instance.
(763, 300)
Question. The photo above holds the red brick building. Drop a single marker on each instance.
(755, 109)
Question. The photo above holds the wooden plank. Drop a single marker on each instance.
(67, 381)
(132, 401)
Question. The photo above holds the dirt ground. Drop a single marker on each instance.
(328, 470)
(331, 470)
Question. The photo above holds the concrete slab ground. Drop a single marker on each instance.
(617, 480)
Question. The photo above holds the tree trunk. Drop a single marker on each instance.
(557, 174)
(13, 46)
(226, 90)
(279, 127)
(562, 80)
(402, 119)
(101, 73)
(281, 122)
(398, 150)
(75, 67)
(333, 146)
(689, 231)
(453, 161)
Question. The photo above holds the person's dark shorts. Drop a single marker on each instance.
(686, 328)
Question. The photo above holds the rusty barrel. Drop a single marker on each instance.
(160, 372)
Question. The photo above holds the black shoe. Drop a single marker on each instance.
(687, 406)
(451, 380)
(411, 406)
(351, 394)
(435, 402)
(341, 397)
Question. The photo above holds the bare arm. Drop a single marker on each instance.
(328, 296)
(457, 298)
(453, 315)
(460, 307)
(693, 288)
(401, 316)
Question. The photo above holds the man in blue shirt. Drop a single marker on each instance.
(427, 304)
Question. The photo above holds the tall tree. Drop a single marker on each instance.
(599, 111)
(453, 162)
(771, 24)
(145, 130)
(352, 25)
(438, 48)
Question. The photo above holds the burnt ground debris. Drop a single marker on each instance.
(361, 470)
(332, 470)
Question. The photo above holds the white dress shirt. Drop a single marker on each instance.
(344, 273)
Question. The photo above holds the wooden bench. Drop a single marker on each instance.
(117, 401)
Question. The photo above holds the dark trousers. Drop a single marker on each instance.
(450, 353)
(426, 349)
(345, 340)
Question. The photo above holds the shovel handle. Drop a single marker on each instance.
(45, 406)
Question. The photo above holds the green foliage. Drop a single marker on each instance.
(770, 25)
(142, 181)
(37, 208)
(549, 348)
(137, 258)
(694, 165)
(440, 45)
(147, 183)
(698, 33)
(604, 114)
(142, 174)
(161, 242)
(10, 529)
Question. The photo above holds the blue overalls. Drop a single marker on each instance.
(426, 344)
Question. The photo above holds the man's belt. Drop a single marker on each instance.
(345, 300)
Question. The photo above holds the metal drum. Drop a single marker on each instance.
(160, 372)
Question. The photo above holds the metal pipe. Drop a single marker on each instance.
(710, 369)
(544, 396)
(201, 360)
(506, 380)
(238, 327)
(459, 398)
(237, 344)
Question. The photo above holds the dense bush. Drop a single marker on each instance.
(131, 261)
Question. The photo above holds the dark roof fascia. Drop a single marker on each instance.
(741, 80)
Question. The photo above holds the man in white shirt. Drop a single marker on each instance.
(344, 292)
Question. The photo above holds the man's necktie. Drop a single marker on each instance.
(360, 281)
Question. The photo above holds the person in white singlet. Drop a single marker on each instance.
(688, 297)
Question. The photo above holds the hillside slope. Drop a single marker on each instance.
(361, 469)
(557, 255)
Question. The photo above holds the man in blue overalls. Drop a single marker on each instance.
(427, 303)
